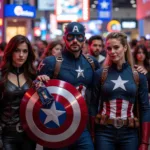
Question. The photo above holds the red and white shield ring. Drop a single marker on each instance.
(60, 125)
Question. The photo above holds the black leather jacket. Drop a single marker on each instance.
(11, 96)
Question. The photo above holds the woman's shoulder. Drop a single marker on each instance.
(49, 61)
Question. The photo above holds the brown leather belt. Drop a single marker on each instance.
(117, 123)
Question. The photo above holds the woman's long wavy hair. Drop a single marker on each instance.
(29, 69)
(146, 60)
(122, 37)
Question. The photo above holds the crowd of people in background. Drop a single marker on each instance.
(96, 46)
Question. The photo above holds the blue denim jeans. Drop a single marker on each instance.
(111, 138)
(83, 143)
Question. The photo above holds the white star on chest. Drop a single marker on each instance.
(80, 72)
(119, 83)
(104, 5)
(52, 114)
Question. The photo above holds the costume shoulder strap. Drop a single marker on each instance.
(59, 60)
(104, 74)
(136, 106)
(136, 77)
(90, 60)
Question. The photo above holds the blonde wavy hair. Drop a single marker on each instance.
(122, 37)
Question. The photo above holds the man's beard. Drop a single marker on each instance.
(75, 48)
(95, 54)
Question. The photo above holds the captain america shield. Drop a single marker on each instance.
(60, 125)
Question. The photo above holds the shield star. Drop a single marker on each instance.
(52, 114)
(119, 83)
(40, 66)
(80, 72)
(104, 5)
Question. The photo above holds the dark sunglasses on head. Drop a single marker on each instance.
(71, 37)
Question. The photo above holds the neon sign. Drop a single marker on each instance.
(113, 25)
(72, 10)
(20, 11)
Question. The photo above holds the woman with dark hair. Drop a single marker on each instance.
(54, 48)
(16, 76)
(141, 57)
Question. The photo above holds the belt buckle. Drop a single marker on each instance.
(118, 123)
(19, 128)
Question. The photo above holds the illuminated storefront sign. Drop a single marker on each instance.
(129, 24)
(20, 11)
(1, 21)
(105, 10)
(1, 13)
(21, 2)
(72, 10)
(113, 25)
(53, 23)
(143, 9)
(46, 5)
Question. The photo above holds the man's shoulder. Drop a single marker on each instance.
(90, 56)
(46, 64)
(50, 60)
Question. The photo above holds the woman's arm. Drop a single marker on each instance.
(145, 112)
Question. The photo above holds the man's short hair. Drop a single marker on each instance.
(94, 37)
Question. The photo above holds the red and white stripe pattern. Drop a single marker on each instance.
(118, 108)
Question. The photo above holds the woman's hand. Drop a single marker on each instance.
(43, 78)
(140, 69)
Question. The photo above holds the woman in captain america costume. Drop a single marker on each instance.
(116, 124)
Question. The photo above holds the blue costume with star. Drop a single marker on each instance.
(79, 73)
(76, 71)
(118, 96)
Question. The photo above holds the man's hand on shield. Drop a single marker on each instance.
(43, 78)
(45, 96)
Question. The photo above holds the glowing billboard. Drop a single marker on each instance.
(72, 10)
(143, 9)
(1, 21)
(113, 26)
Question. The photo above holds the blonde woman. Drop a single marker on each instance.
(116, 121)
